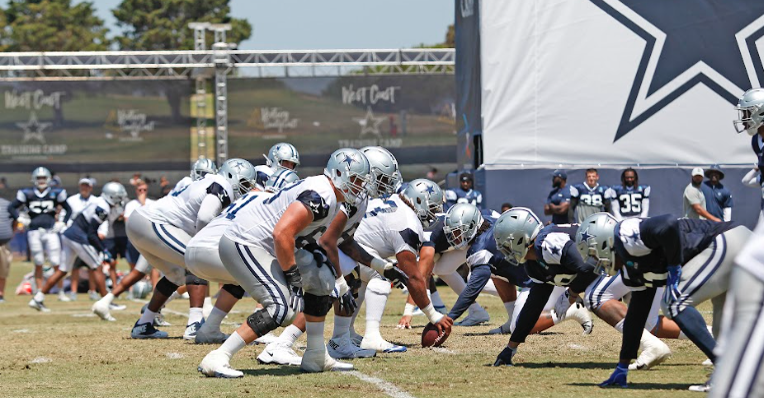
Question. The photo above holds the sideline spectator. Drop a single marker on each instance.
(164, 184)
(694, 200)
(558, 201)
(588, 197)
(629, 199)
(432, 174)
(465, 193)
(505, 206)
(6, 233)
(718, 198)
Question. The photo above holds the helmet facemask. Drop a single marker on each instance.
(355, 188)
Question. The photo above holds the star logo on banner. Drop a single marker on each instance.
(712, 42)
(369, 124)
(33, 129)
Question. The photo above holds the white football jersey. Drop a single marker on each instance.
(259, 215)
(355, 215)
(209, 236)
(184, 182)
(181, 207)
(78, 204)
(389, 227)
(134, 205)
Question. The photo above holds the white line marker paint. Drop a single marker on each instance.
(21, 331)
(443, 350)
(40, 359)
(388, 388)
(174, 355)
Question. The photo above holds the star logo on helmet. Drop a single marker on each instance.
(349, 159)
(585, 236)
(430, 189)
(278, 148)
(239, 166)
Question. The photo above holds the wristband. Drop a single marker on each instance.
(379, 265)
(408, 310)
(341, 285)
(433, 315)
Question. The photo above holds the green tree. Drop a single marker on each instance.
(163, 24)
(51, 25)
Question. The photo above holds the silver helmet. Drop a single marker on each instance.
(594, 239)
(350, 173)
(114, 194)
(41, 177)
(240, 174)
(515, 231)
(281, 152)
(426, 198)
(384, 167)
(202, 167)
(462, 223)
(280, 179)
(750, 110)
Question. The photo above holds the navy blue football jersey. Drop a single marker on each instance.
(648, 246)
(557, 259)
(758, 147)
(458, 195)
(630, 198)
(41, 205)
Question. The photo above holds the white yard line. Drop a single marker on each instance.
(387, 387)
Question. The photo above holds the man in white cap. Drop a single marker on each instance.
(694, 200)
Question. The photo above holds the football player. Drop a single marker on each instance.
(42, 231)
(81, 240)
(692, 258)
(265, 251)
(78, 203)
(630, 199)
(738, 370)
(282, 155)
(464, 193)
(588, 197)
(160, 232)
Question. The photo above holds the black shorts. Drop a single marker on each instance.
(116, 246)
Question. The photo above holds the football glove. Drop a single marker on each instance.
(396, 276)
(505, 357)
(618, 378)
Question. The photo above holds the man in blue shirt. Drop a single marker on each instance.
(465, 193)
(718, 198)
(558, 201)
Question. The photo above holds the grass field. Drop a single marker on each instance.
(71, 353)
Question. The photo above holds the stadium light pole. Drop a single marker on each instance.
(201, 89)
(222, 60)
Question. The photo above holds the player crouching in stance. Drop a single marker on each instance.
(160, 231)
(691, 258)
(259, 250)
(81, 240)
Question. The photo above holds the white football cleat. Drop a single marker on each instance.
(278, 353)
(266, 339)
(191, 330)
(101, 310)
(707, 362)
(701, 388)
(217, 364)
(343, 348)
(381, 345)
(474, 319)
(581, 315)
(654, 351)
(63, 298)
(318, 360)
(146, 331)
(206, 335)
(40, 306)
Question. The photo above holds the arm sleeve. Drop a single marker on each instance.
(727, 214)
(645, 207)
(209, 209)
(67, 209)
(615, 207)
(571, 259)
(582, 280)
(478, 279)
(13, 208)
(537, 298)
(634, 323)
(751, 179)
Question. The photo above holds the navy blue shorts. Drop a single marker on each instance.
(132, 253)
(116, 246)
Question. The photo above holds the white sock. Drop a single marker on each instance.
(232, 345)
(341, 326)
(475, 308)
(108, 298)
(147, 316)
(39, 297)
(556, 319)
(194, 315)
(315, 332)
(619, 326)
(172, 296)
(375, 308)
(290, 335)
(510, 307)
(215, 318)
(436, 301)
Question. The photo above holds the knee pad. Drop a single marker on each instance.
(166, 287)
(317, 305)
(379, 286)
(316, 279)
(234, 290)
(192, 279)
(261, 322)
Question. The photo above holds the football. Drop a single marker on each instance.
(431, 337)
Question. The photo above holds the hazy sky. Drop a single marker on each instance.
(333, 24)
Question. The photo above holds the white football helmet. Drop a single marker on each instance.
(515, 231)
(281, 178)
(462, 223)
(350, 173)
(595, 239)
(114, 194)
(281, 152)
(750, 109)
(384, 168)
(426, 198)
(240, 174)
(41, 178)
(202, 167)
